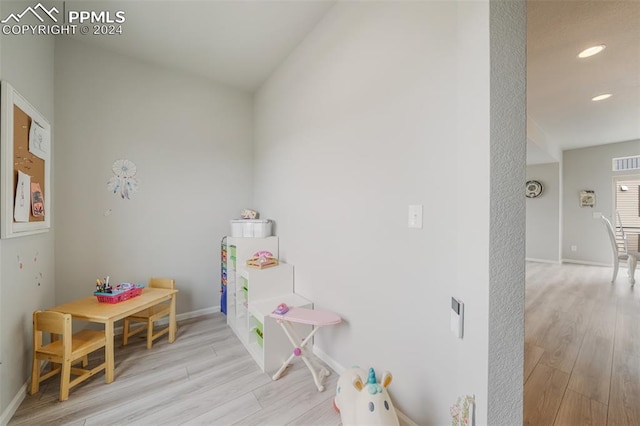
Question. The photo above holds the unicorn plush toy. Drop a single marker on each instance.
(361, 400)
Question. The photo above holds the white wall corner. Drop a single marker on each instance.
(537, 136)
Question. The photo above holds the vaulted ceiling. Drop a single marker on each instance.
(240, 43)
(237, 43)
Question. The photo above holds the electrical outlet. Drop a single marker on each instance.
(574, 248)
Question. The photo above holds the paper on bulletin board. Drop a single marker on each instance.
(22, 204)
(37, 200)
(39, 140)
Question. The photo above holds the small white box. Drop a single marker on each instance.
(253, 228)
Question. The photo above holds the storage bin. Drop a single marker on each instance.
(233, 256)
(253, 228)
(119, 295)
(258, 332)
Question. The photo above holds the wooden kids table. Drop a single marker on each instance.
(89, 309)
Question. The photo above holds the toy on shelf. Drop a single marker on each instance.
(281, 309)
(361, 400)
(249, 214)
(261, 260)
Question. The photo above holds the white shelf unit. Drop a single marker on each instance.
(252, 294)
(253, 285)
(238, 251)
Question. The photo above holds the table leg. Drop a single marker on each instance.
(172, 319)
(108, 352)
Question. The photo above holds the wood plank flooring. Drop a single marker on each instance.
(581, 367)
(205, 377)
(582, 347)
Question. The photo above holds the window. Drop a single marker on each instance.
(625, 163)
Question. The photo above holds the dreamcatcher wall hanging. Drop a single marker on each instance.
(123, 181)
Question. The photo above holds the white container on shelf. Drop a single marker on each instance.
(254, 228)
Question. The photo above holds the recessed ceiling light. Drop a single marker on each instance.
(590, 51)
(601, 97)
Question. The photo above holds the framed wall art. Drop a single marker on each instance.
(587, 198)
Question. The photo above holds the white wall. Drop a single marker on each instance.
(26, 62)
(2, 390)
(543, 214)
(191, 140)
(385, 105)
(590, 168)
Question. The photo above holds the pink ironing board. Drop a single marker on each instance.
(312, 317)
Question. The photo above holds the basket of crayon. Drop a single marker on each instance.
(122, 292)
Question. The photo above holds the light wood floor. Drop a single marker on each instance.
(582, 347)
(205, 377)
(582, 367)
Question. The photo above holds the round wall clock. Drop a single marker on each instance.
(534, 189)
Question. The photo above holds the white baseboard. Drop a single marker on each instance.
(404, 420)
(181, 317)
(532, 259)
(192, 314)
(14, 405)
(338, 368)
(335, 366)
(195, 314)
(584, 262)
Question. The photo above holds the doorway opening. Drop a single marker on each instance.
(627, 208)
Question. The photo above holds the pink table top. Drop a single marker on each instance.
(308, 316)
